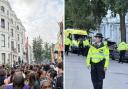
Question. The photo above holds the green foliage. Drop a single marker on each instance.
(37, 48)
(117, 6)
(99, 10)
(88, 14)
(84, 14)
(47, 52)
(40, 52)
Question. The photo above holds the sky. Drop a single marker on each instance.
(40, 17)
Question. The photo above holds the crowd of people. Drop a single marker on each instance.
(43, 76)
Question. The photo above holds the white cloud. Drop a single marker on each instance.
(40, 17)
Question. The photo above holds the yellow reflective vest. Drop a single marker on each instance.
(67, 41)
(122, 46)
(95, 55)
(86, 43)
(74, 43)
(126, 46)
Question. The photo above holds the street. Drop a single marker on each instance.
(77, 76)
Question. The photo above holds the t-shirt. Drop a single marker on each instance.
(11, 87)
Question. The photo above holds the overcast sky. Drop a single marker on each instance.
(39, 17)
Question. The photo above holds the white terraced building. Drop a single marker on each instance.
(110, 28)
(12, 35)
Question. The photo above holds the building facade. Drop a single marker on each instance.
(12, 35)
(110, 28)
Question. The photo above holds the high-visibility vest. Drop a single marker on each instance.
(74, 43)
(122, 46)
(126, 46)
(96, 55)
(67, 41)
(86, 43)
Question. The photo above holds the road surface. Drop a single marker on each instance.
(77, 76)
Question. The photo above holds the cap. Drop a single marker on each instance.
(99, 35)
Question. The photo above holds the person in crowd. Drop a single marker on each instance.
(46, 84)
(52, 76)
(59, 80)
(2, 75)
(18, 82)
(9, 79)
(33, 82)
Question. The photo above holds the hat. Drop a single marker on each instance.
(99, 35)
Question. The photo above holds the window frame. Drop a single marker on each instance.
(2, 9)
(3, 55)
(3, 40)
(2, 23)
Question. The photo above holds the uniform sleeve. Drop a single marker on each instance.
(106, 57)
(88, 57)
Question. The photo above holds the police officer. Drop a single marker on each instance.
(97, 61)
(122, 48)
(67, 43)
(80, 46)
(86, 46)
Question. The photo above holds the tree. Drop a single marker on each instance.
(47, 52)
(99, 10)
(37, 48)
(76, 13)
(119, 7)
(84, 14)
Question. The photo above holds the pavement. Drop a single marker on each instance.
(77, 76)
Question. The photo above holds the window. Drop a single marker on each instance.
(8, 42)
(12, 21)
(12, 45)
(18, 47)
(2, 23)
(8, 58)
(18, 37)
(12, 32)
(2, 40)
(7, 12)
(22, 41)
(3, 58)
(8, 26)
(17, 27)
(2, 9)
